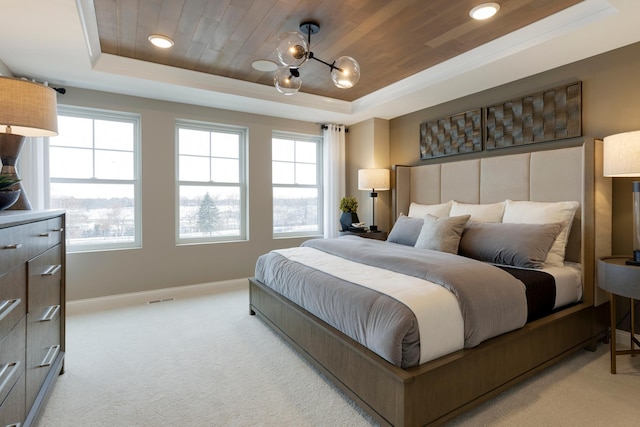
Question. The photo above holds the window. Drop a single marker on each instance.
(297, 185)
(211, 182)
(94, 176)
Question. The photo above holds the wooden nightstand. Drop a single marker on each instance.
(618, 278)
(378, 235)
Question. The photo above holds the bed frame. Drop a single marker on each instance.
(437, 391)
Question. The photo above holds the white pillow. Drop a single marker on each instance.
(417, 210)
(525, 212)
(490, 212)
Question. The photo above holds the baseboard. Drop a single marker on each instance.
(153, 296)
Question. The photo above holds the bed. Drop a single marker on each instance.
(442, 384)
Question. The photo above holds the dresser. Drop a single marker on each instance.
(32, 311)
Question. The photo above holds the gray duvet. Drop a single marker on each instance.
(491, 301)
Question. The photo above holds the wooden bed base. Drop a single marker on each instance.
(437, 391)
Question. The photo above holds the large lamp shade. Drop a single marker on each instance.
(373, 180)
(621, 158)
(26, 109)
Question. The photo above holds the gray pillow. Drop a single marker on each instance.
(441, 234)
(406, 230)
(519, 245)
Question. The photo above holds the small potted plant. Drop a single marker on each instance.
(349, 208)
(9, 193)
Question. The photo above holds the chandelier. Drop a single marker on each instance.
(294, 51)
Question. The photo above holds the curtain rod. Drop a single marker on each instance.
(325, 127)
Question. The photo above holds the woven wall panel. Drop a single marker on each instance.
(460, 133)
(545, 116)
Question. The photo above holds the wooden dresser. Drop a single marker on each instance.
(32, 311)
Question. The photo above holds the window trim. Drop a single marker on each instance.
(110, 115)
(319, 141)
(242, 184)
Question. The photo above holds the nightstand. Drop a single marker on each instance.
(378, 235)
(618, 278)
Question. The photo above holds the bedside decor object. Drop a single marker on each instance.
(349, 208)
(373, 180)
(621, 158)
(9, 191)
(294, 51)
(26, 109)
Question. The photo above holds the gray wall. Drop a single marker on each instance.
(610, 104)
(160, 263)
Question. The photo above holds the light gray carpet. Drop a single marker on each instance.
(205, 362)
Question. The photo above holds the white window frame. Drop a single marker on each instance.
(107, 115)
(318, 140)
(242, 132)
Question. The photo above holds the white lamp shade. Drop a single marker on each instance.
(28, 108)
(373, 179)
(621, 155)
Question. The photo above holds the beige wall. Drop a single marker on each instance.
(160, 263)
(367, 146)
(610, 104)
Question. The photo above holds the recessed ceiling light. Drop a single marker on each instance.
(484, 11)
(264, 65)
(161, 41)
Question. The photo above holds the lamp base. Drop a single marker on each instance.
(373, 228)
(10, 148)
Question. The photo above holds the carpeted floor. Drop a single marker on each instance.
(205, 362)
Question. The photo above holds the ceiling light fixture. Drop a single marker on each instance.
(161, 41)
(294, 51)
(484, 11)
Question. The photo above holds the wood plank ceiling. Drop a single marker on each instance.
(391, 40)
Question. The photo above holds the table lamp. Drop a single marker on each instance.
(373, 180)
(26, 109)
(621, 158)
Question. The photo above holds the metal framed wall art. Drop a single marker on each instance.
(457, 134)
(545, 116)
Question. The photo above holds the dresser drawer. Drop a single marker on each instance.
(12, 410)
(12, 358)
(13, 298)
(45, 278)
(44, 344)
(42, 235)
(14, 249)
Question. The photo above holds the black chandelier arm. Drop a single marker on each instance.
(332, 66)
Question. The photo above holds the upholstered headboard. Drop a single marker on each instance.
(553, 175)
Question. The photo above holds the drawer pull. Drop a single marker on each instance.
(13, 246)
(7, 307)
(50, 314)
(50, 357)
(6, 372)
(43, 235)
(58, 230)
(51, 270)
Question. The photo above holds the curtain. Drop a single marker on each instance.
(334, 177)
(32, 171)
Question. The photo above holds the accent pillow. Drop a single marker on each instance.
(519, 245)
(417, 210)
(489, 212)
(406, 230)
(441, 234)
(526, 212)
